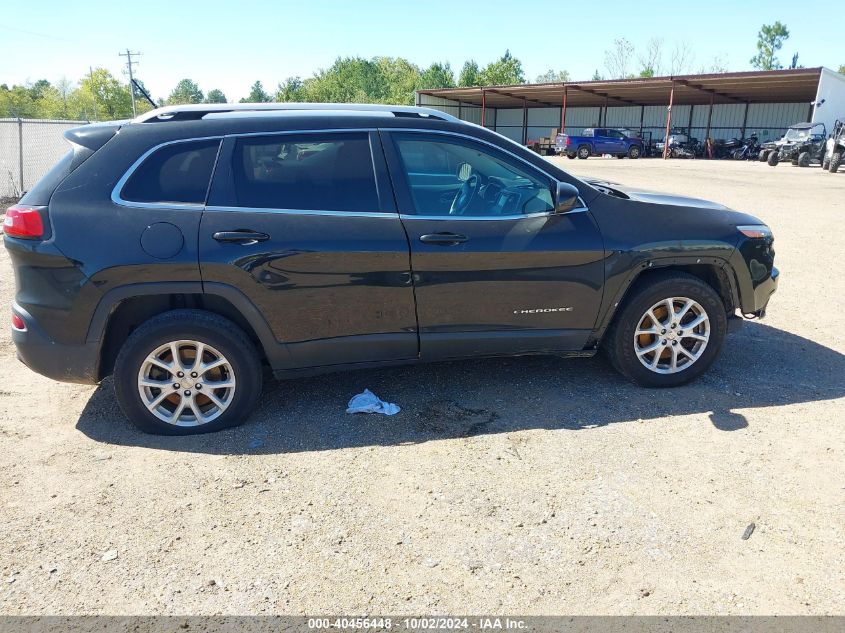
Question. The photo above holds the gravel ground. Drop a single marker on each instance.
(531, 486)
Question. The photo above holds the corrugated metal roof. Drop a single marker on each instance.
(762, 86)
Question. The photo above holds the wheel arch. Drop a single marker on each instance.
(715, 272)
(123, 309)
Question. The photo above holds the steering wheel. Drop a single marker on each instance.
(465, 196)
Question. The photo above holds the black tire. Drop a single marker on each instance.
(804, 159)
(825, 162)
(570, 155)
(763, 155)
(620, 156)
(196, 325)
(584, 152)
(835, 161)
(773, 158)
(619, 340)
(634, 151)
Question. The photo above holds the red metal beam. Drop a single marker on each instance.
(563, 113)
(668, 122)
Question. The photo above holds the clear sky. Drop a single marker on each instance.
(228, 45)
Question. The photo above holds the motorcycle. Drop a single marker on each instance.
(748, 150)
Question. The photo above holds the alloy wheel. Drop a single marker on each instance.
(672, 335)
(186, 383)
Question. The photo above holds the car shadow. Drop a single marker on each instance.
(761, 366)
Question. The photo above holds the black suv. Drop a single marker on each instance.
(184, 249)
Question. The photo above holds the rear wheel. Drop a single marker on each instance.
(669, 332)
(835, 161)
(186, 372)
(773, 159)
(584, 152)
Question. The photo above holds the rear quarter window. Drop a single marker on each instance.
(176, 173)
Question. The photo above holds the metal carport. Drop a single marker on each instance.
(773, 99)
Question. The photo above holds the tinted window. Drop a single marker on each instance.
(177, 173)
(331, 172)
(452, 176)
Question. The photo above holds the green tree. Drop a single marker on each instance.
(552, 76)
(841, 69)
(101, 97)
(438, 75)
(257, 94)
(401, 78)
(17, 102)
(215, 95)
(470, 74)
(186, 91)
(292, 89)
(348, 80)
(596, 76)
(770, 39)
(504, 71)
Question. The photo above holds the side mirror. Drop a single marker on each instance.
(566, 197)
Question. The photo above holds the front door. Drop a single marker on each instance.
(496, 271)
(305, 226)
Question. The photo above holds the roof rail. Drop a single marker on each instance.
(198, 111)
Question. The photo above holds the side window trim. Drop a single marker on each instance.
(118, 188)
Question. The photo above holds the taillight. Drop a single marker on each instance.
(566, 142)
(18, 323)
(22, 221)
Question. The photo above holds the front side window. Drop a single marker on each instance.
(177, 173)
(323, 172)
(458, 177)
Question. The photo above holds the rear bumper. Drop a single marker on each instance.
(63, 362)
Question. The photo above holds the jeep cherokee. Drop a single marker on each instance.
(184, 250)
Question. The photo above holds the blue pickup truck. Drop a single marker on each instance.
(597, 141)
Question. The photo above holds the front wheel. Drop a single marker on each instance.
(835, 161)
(670, 331)
(825, 162)
(773, 159)
(763, 156)
(804, 159)
(634, 151)
(185, 372)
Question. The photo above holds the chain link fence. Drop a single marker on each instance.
(28, 148)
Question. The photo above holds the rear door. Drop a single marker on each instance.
(496, 271)
(304, 224)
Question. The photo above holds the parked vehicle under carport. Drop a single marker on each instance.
(835, 148)
(803, 144)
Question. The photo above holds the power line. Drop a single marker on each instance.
(129, 63)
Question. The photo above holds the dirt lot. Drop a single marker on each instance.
(531, 486)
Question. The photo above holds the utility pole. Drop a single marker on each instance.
(128, 55)
(93, 94)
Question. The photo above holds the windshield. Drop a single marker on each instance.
(797, 135)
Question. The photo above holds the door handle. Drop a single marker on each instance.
(241, 236)
(444, 239)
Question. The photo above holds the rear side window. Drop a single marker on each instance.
(320, 172)
(177, 173)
